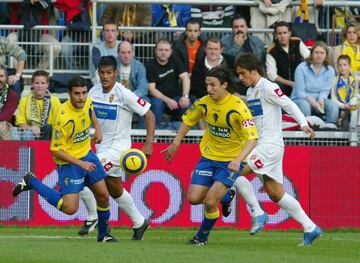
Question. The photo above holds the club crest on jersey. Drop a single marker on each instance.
(141, 102)
(279, 92)
(216, 117)
(111, 98)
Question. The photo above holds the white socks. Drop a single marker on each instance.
(90, 203)
(245, 189)
(294, 209)
(126, 203)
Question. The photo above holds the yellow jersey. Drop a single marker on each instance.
(229, 126)
(71, 132)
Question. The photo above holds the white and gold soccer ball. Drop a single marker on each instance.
(133, 161)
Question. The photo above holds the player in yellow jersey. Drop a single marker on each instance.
(77, 165)
(229, 137)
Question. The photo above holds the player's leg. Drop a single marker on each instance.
(277, 194)
(92, 219)
(126, 203)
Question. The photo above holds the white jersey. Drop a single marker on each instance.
(265, 101)
(114, 111)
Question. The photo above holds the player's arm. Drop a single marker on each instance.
(150, 131)
(98, 133)
(248, 147)
(171, 151)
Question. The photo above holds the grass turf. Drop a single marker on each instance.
(169, 245)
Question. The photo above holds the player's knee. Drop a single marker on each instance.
(275, 196)
(210, 202)
(70, 209)
(194, 199)
(102, 199)
(116, 193)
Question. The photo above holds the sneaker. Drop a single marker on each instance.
(139, 232)
(23, 185)
(88, 227)
(258, 223)
(197, 241)
(226, 208)
(107, 238)
(309, 237)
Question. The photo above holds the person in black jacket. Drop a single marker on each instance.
(190, 45)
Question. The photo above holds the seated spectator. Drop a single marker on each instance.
(313, 82)
(213, 15)
(345, 93)
(267, 14)
(350, 46)
(10, 49)
(189, 46)
(163, 74)
(284, 56)
(37, 111)
(8, 103)
(107, 47)
(240, 41)
(212, 57)
(132, 73)
(170, 15)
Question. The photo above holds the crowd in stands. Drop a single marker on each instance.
(322, 80)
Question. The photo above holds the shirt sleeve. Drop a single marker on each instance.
(329, 76)
(58, 139)
(194, 113)
(247, 122)
(274, 95)
(271, 68)
(304, 51)
(150, 73)
(135, 103)
(300, 79)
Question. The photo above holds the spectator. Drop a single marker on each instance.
(163, 74)
(132, 73)
(350, 46)
(267, 14)
(8, 103)
(213, 15)
(189, 46)
(345, 93)
(240, 42)
(313, 82)
(9, 48)
(284, 56)
(38, 110)
(107, 47)
(212, 57)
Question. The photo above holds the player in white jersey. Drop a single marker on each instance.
(114, 106)
(266, 100)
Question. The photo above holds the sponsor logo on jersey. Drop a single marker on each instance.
(141, 102)
(255, 107)
(219, 131)
(105, 111)
(81, 136)
(248, 123)
(279, 92)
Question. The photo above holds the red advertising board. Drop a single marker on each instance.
(160, 193)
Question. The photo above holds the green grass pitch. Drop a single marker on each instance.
(169, 245)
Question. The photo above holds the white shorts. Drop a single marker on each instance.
(267, 160)
(111, 162)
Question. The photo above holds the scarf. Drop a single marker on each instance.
(348, 49)
(129, 15)
(4, 95)
(303, 9)
(33, 114)
(345, 88)
(171, 16)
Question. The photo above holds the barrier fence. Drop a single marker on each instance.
(325, 180)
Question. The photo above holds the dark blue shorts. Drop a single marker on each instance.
(72, 178)
(208, 171)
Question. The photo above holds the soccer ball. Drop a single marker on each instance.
(133, 161)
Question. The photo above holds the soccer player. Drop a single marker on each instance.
(114, 107)
(265, 100)
(77, 165)
(229, 137)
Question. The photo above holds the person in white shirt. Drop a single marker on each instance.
(114, 106)
(266, 100)
(283, 56)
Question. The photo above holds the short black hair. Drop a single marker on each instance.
(238, 17)
(77, 81)
(214, 39)
(193, 21)
(108, 61)
(223, 74)
(282, 23)
(249, 62)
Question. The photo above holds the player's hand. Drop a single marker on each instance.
(98, 136)
(184, 102)
(309, 131)
(170, 152)
(172, 104)
(234, 165)
(87, 166)
(147, 149)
